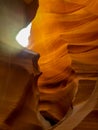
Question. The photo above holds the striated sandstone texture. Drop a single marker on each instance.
(63, 32)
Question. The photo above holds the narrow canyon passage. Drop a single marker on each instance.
(52, 82)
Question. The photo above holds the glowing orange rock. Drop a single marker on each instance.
(63, 31)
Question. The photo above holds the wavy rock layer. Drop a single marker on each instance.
(63, 31)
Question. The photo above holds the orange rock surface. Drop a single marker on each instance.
(63, 31)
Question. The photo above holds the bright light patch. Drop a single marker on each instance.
(22, 36)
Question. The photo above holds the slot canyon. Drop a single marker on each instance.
(52, 83)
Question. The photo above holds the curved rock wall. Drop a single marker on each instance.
(63, 31)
